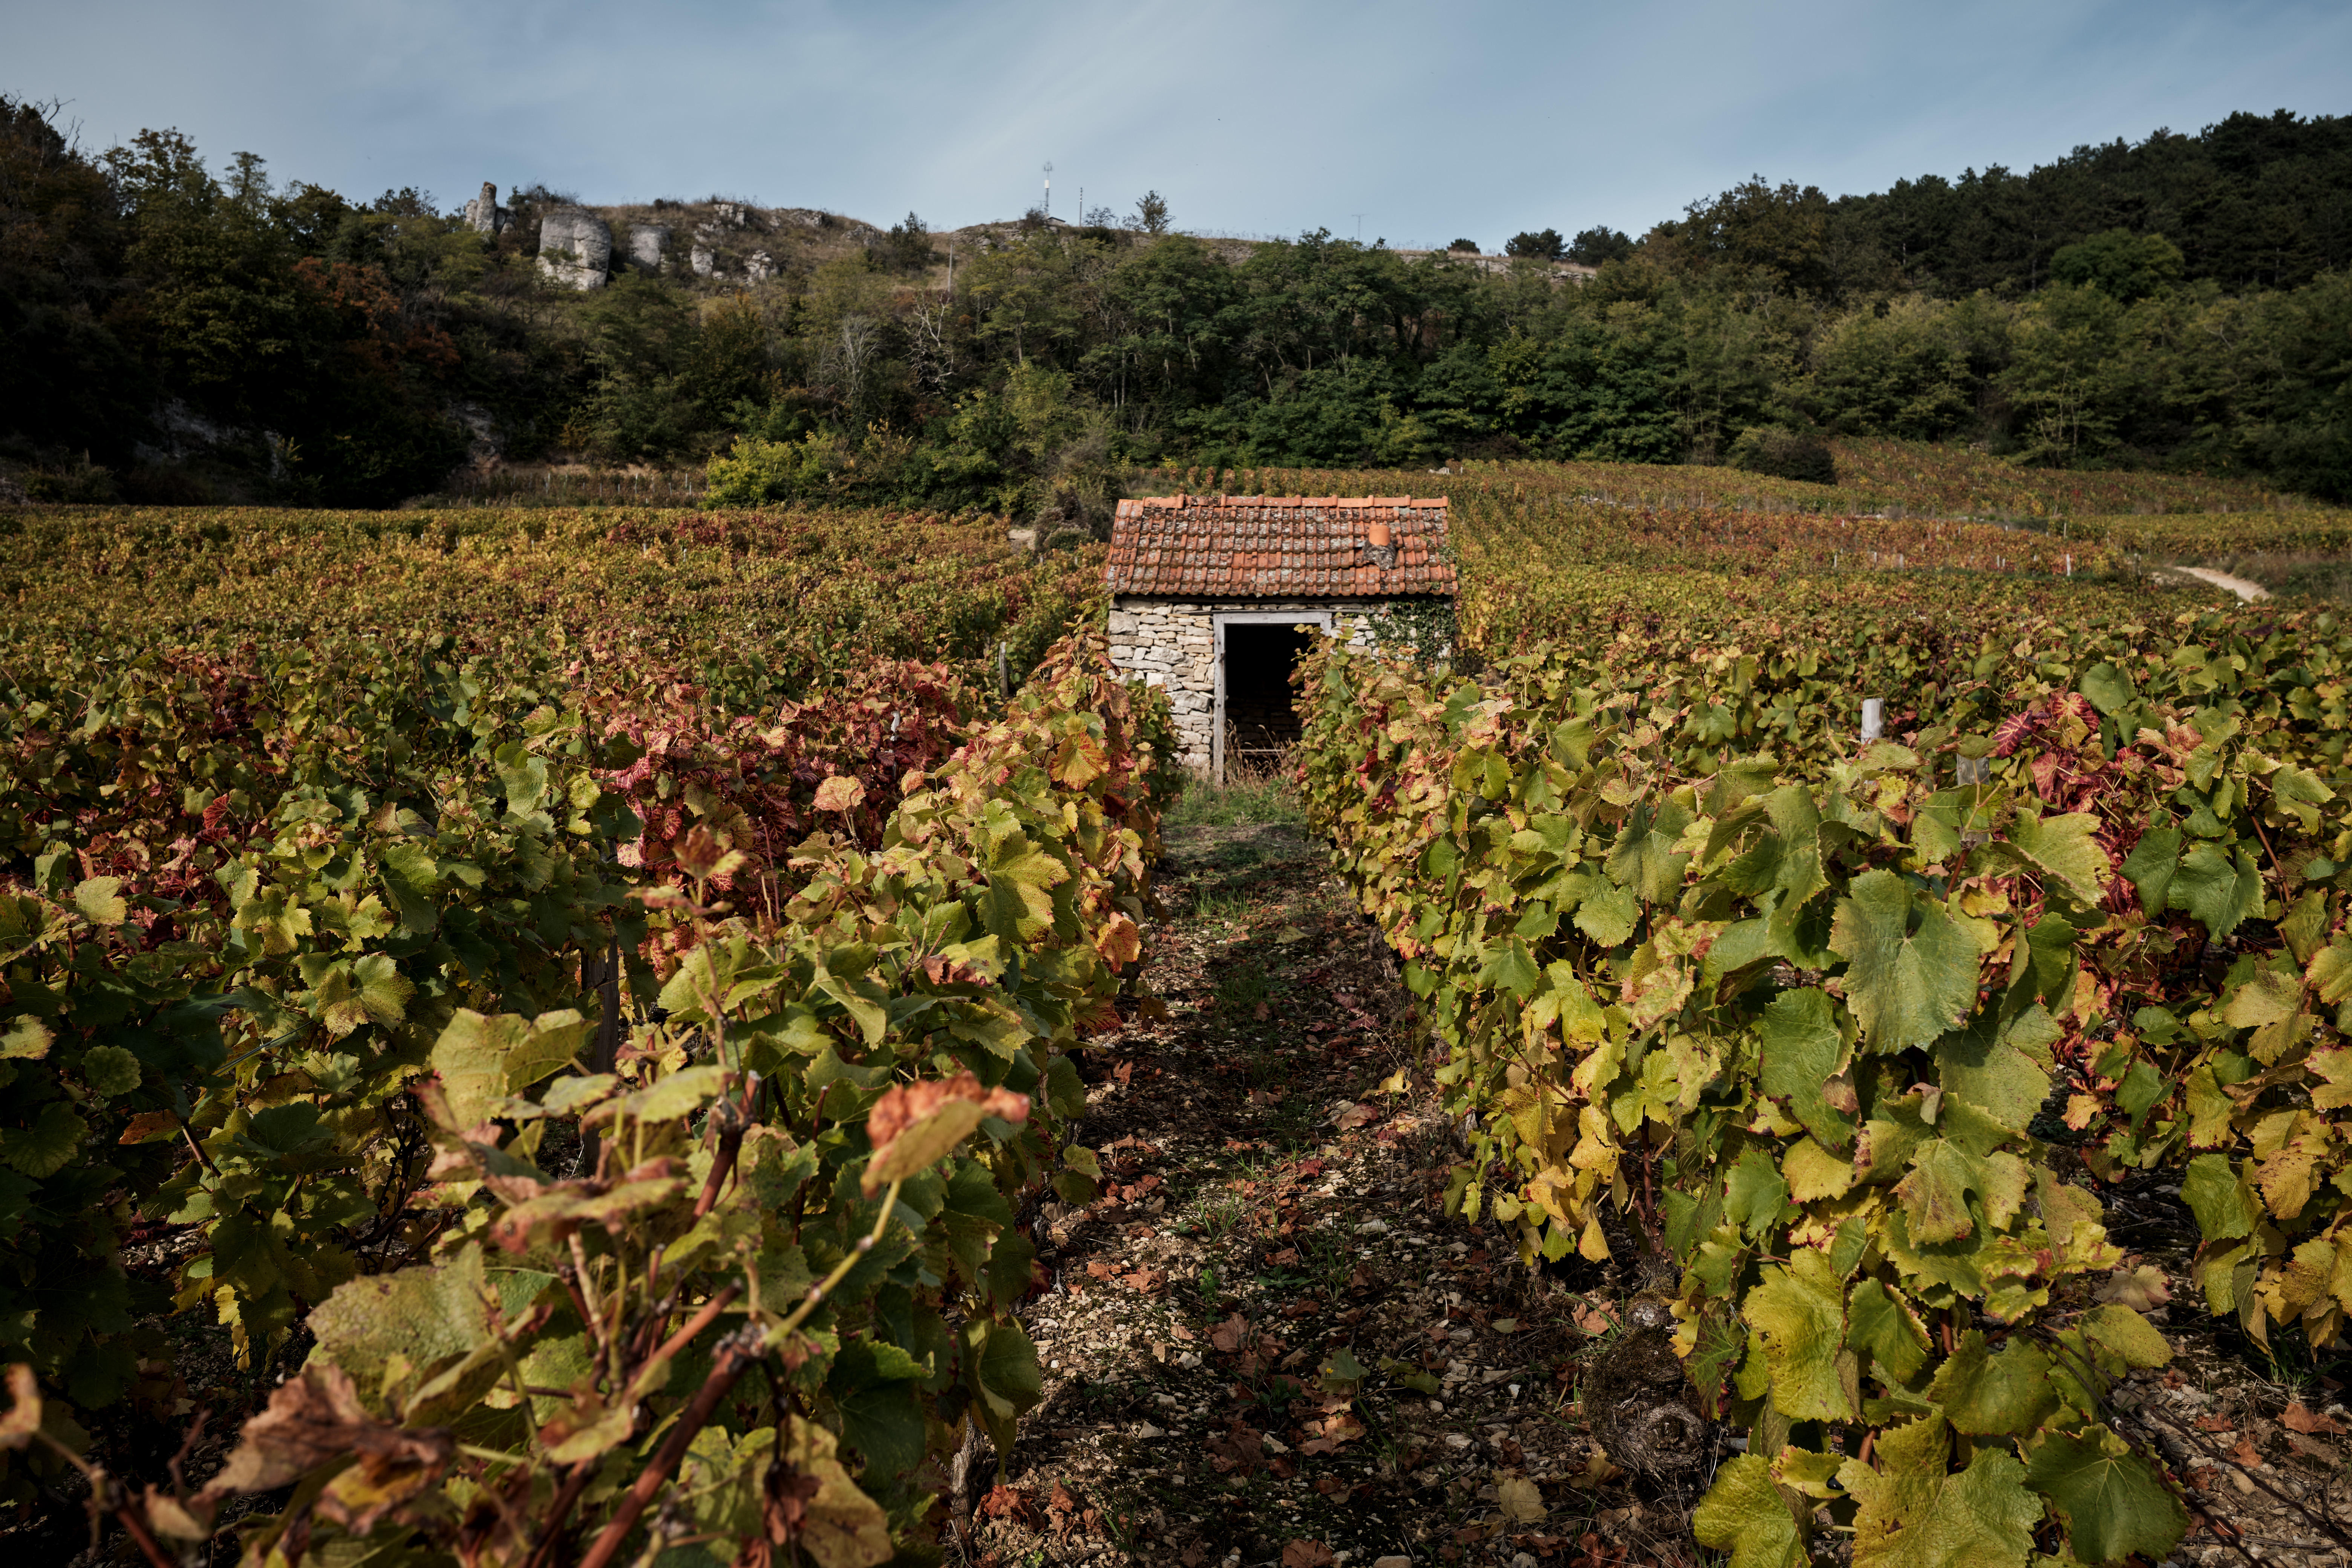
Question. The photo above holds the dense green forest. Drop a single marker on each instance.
(175, 332)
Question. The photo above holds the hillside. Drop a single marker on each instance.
(181, 335)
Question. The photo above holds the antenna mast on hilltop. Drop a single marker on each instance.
(1049, 189)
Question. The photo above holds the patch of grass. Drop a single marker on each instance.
(1212, 905)
(1206, 1283)
(1246, 796)
(1240, 988)
(2300, 576)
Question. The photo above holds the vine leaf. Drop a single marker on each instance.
(1916, 1513)
(1800, 1312)
(1800, 1052)
(2062, 850)
(1883, 1326)
(1745, 1513)
(914, 1125)
(1001, 1369)
(423, 1316)
(100, 900)
(1907, 982)
(1999, 1393)
(1755, 1192)
(484, 1060)
(2218, 1198)
(2113, 1505)
(2213, 888)
(1944, 1173)
(2150, 865)
(840, 1526)
(1999, 1068)
(44, 1148)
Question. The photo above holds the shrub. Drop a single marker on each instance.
(1784, 454)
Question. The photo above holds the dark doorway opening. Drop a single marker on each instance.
(1260, 723)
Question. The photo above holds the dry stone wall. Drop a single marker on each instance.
(1172, 643)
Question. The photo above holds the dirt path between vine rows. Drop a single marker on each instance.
(2247, 590)
(1266, 1343)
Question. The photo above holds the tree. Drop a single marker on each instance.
(2119, 264)
(1469, 245)
(1151, 213)
(1543, 243)
(1780, 231)
(1592, 246)
(905, 249)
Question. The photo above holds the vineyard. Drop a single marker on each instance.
(1830, 1018)
(505, 972)
(562, 1031)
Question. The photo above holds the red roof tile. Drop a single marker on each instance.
(1279, 547)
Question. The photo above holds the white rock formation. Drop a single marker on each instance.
(761, 268)
(575, 248)
(646, 243)
(483, 214)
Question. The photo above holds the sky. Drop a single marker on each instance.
(1413, 122)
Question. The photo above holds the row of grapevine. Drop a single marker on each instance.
(551, 1061)
(1874, 477)
(752, 608)
(1854, 1032)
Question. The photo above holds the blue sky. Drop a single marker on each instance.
(1474, 119)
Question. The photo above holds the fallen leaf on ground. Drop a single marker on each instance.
(1305, 1554)
(2141, 1289)
(1595, 1321)
(1520, 1499)
(2300, 1418)
(1230, 1335)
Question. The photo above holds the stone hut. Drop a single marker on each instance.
(1209, 595)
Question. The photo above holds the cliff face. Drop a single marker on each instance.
(724, 244)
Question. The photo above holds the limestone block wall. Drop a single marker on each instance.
(1172, 643)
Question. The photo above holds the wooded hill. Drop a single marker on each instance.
(178, 334)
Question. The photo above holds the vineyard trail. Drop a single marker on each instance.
(2249, 591)
(1266, 1343)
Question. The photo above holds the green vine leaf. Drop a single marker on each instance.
(2114, 1504)
(1745, 1514)
(1999, 1393)
(1911, 970)
(1800, 1052)
(1798, 1311)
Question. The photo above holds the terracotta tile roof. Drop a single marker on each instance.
(1279, 547)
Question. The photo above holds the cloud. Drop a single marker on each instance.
(1477, 118)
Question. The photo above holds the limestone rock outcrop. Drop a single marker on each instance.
(646, 243)
(483, 214)
(761, 268)
(575, 248)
